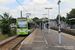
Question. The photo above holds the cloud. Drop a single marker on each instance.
(4, 8)
(39, 7)
(6, 1)
(26, 1)
(13, 11)
(65, 0)
(40, 1)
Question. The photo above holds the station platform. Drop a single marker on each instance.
(42, 40)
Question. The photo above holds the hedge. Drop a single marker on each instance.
(65, 30)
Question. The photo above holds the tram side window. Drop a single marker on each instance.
(28, 26)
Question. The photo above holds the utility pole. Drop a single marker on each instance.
(44, 21)
(48, 20)
(21, 14)
(59, 31)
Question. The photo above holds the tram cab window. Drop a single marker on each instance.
(22, 23)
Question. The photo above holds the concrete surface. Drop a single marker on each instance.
(39, 43)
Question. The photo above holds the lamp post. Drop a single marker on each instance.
(59, 22)
(42, 24)
(44, 21)
(21, 14)
(48, 20)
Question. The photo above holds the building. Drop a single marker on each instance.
(72, 25)
(41, 22)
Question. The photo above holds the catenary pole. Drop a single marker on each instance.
(59, 31)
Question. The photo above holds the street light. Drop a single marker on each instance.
(44, 21)
(48, 20)
(59, 22)
(42, 24)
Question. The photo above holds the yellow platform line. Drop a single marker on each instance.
(67, 35)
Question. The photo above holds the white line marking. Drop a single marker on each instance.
(44, 38)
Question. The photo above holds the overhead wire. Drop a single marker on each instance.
(21, 5)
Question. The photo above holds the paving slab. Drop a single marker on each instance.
(39, 42)
(66, 41)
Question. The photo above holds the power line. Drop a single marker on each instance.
(22, 6)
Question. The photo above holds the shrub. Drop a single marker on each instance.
(65, 30)
(13, 31)
(5, 28)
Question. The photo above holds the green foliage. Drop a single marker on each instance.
(13, 20)
(57, 18)
(61, 18)
(5, 25)
(35, 18)
(46, 18)
(0, 25)
(3, 36)
(68, 31)
(13, 32)
(70, 15)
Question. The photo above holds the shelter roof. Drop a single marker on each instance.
(72, 19)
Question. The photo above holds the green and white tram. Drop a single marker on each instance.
(22, 26)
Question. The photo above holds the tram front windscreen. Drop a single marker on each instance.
(22, 23)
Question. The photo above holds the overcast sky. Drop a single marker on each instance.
(13, 7)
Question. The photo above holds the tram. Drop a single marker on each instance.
(23, 26)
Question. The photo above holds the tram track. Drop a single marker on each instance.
(13, 44)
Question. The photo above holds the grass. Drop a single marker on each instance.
(2, 37)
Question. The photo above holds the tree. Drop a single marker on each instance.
(57, 18)
(13, 20)
(70, 15)
(63, 19)
(5, 25)
(35, 18)
(46, 18)
(6, 17)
